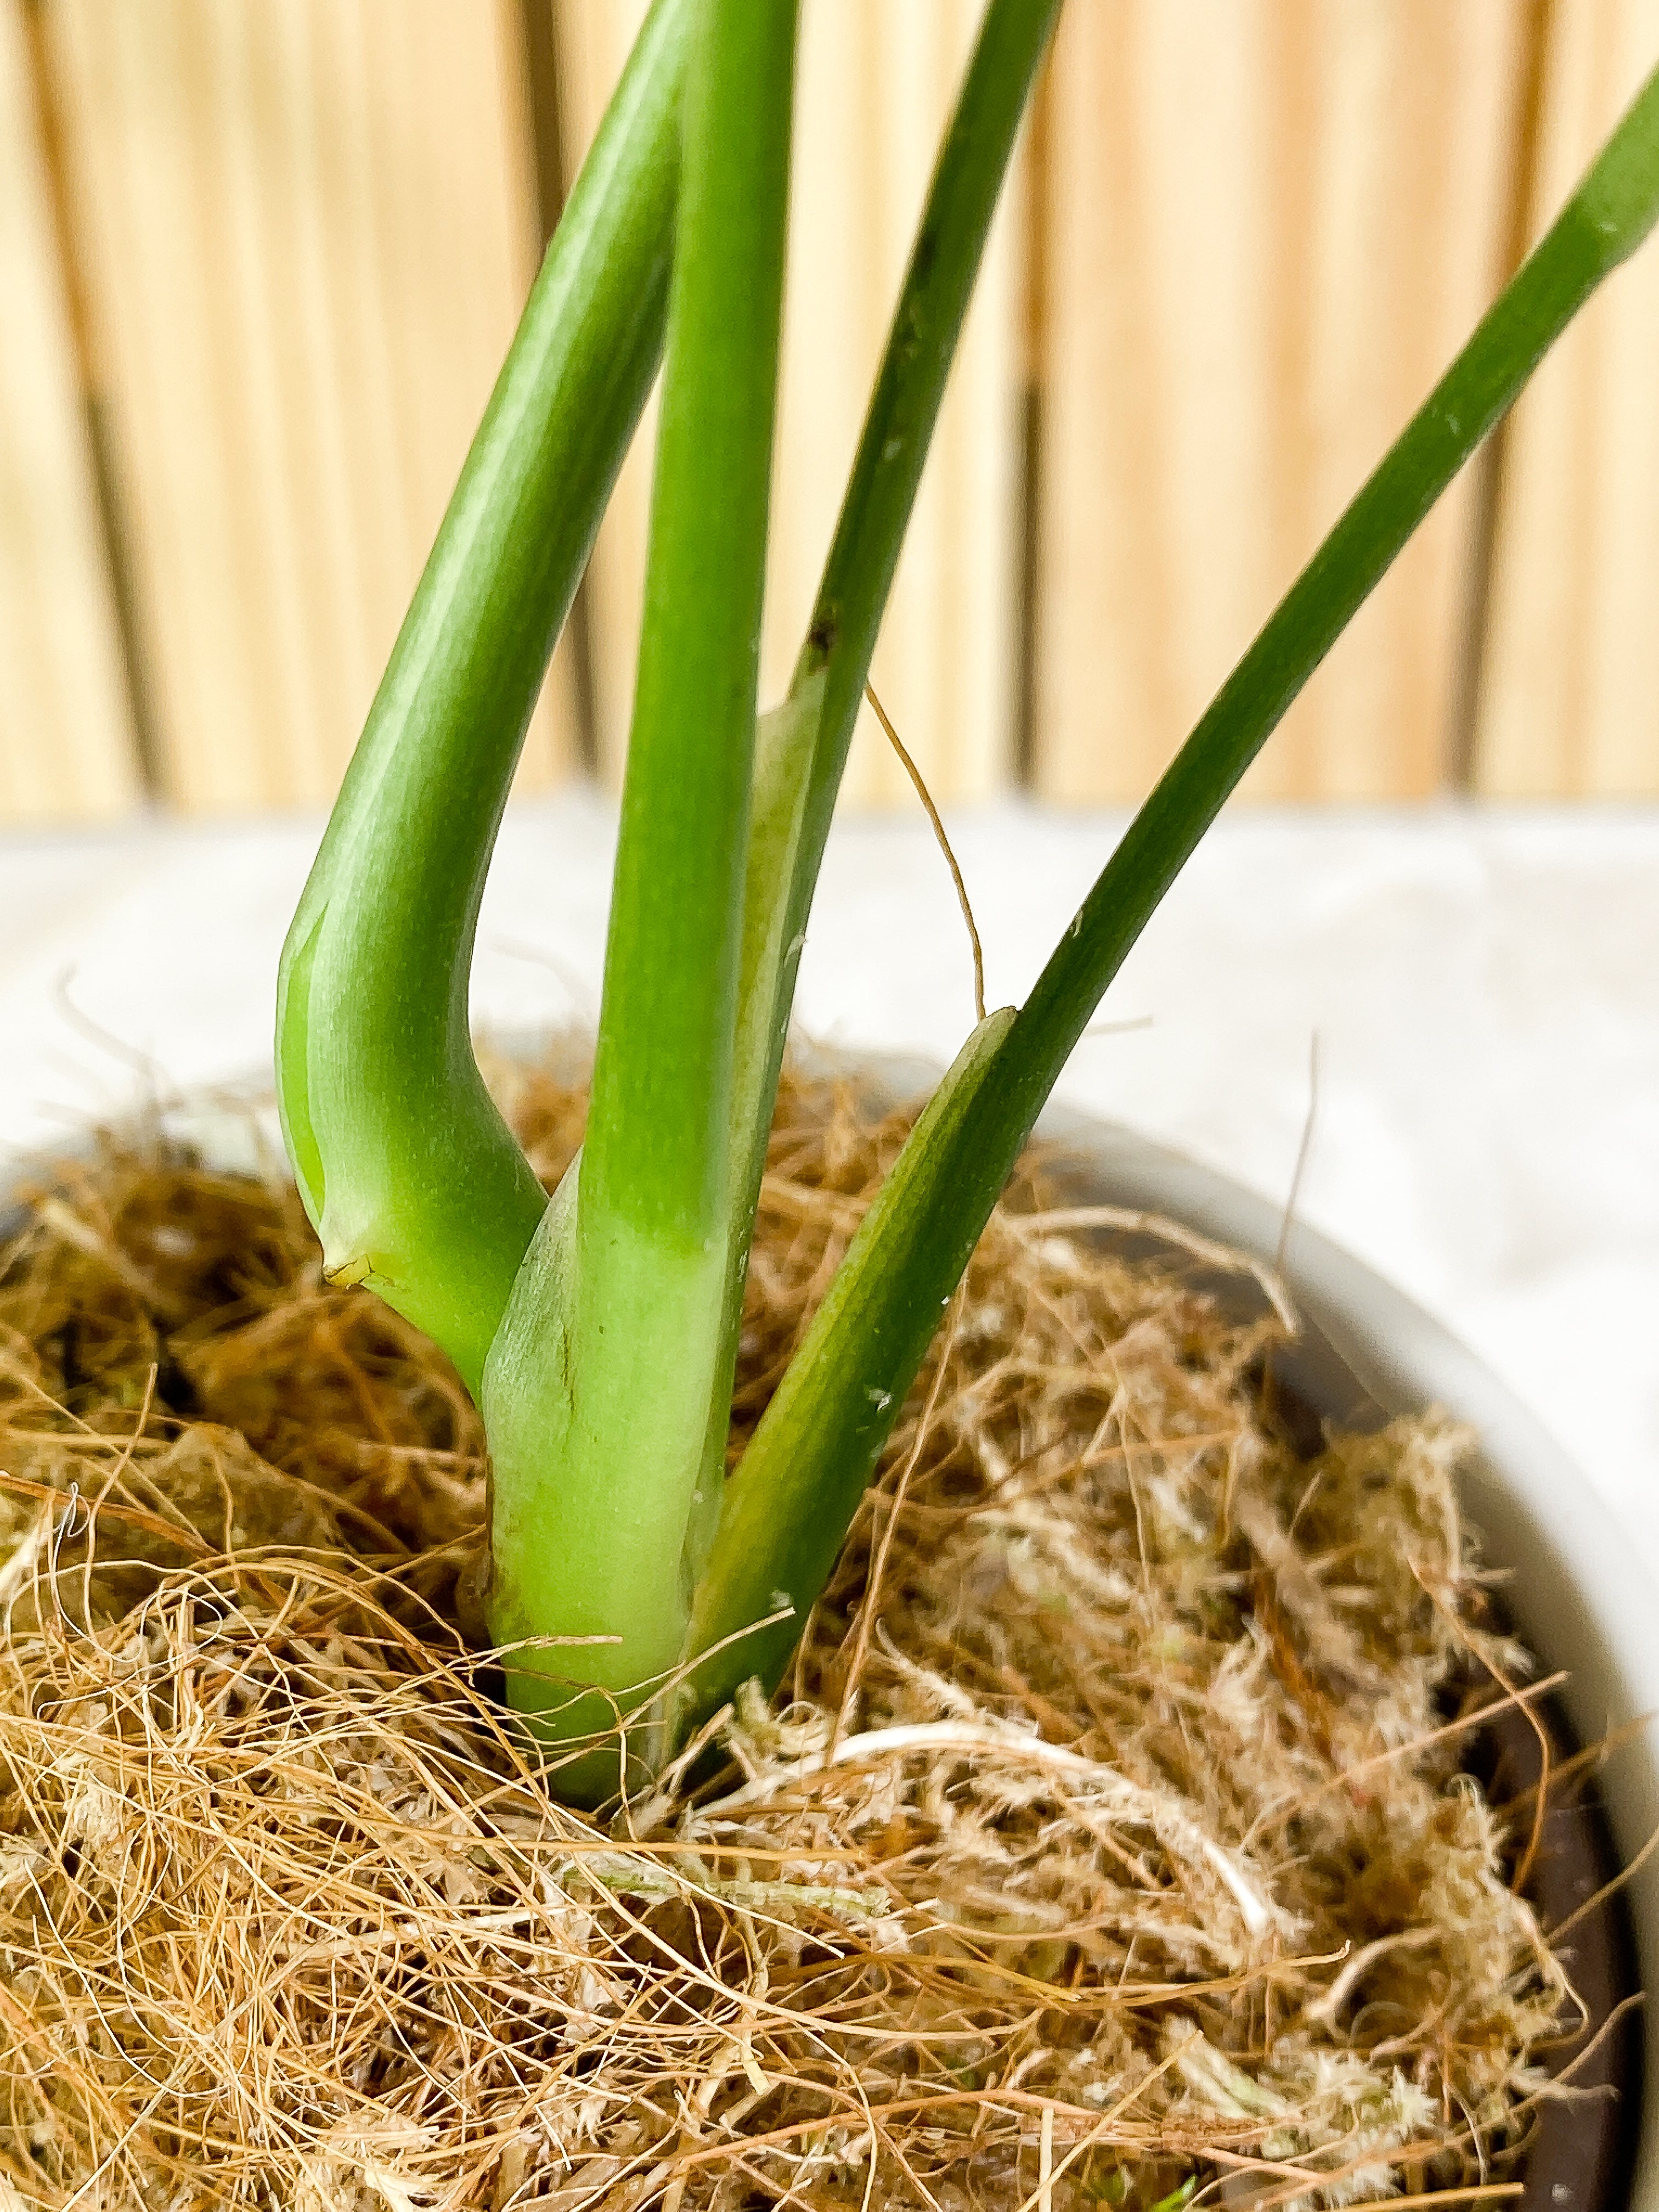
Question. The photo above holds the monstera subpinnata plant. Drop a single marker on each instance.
(631, 1578)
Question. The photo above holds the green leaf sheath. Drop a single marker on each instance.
(413, 1180)
(789, 1504)
(819, 1437)
(600, 1432)
(784, 741)
(802, 749)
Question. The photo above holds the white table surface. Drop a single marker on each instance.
(1483, 987)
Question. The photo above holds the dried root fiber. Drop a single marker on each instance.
(1107, 1846)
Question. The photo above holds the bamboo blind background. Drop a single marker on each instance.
(1270, 225)
(304, 230)
(876, 83)
(1570, 699)
(66, 744)
(260, 260)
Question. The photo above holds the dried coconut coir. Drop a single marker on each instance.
(1108, 1841)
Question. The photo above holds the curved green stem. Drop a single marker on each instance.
(406, 1168)
(898, 429)
(804, 743)
(1606, 220)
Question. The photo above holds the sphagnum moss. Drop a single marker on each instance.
(1107, 1829)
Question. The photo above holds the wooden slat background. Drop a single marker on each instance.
(306, 231)
(66, 743)
(261, 259)
(1269, 225)
(876, 84)
(1570, 701)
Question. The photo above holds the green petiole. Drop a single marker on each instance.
(820, 1446)
(606, 1392)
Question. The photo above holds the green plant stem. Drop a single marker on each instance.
(802, 750)
(406, 1168)
(603, 1397)
(820, 1443)
(804, 743)
(659, 1133)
